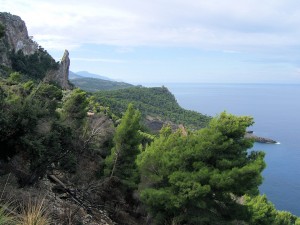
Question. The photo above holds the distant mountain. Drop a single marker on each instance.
(92, 75)
(73, 76)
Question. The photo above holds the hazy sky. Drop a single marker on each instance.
(162, 41)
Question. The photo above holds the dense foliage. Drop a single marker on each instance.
(30, 126)
(94, 84)
(35, 65)
(197, 178)
(157, 102)
(263, 212)
(42, 128)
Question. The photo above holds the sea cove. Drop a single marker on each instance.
(275, 108)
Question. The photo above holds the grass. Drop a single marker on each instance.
(28, 212)
(34, 213)
(5, 217)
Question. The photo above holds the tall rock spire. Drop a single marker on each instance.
(61, 76)
(64, 70)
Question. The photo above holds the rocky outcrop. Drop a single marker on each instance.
(155, 124)
(61, 76)
(15, 38)
(249, 134)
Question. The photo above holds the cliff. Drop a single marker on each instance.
(15, 39)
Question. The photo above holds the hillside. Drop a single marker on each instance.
(158, 103)
(95, 84)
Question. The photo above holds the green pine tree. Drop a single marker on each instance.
(197, 178)
(121, 161)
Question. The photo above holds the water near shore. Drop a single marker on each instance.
(275, 109)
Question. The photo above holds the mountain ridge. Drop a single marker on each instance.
(95, 82)
(92, 75)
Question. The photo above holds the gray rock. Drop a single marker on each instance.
(259, 139)
(61, 76)
(15, 38)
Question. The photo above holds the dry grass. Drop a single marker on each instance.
(20, 208)
(34, 213)
(6, 217)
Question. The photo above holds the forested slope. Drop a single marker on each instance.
(157, 102)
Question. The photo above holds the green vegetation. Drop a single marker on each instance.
(94, 84)
(182, 177)
(263, 212)
(5, 217)
(203, 173)
(121, 161)
(30, 125)
(35, 65)
(202, 176)
(74, 109)
(156, 102)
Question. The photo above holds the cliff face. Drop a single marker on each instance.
(61, 76)
(16, 39)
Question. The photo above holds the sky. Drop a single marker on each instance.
(170, 41)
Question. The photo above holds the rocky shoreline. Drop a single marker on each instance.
(249, 134)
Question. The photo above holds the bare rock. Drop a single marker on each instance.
(15, 38)
(61, 76)
(249, 134)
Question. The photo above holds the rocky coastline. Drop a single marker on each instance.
(258, 139)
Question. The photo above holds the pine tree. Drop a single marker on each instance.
(121, 162)
(198, 178)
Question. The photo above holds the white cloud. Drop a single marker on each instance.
(227, 24)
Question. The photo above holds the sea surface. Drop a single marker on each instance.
(276, 112)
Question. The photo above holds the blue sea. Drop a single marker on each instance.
(276, 112)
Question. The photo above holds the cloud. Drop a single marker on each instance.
(229, 24)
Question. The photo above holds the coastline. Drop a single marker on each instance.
(258, 139)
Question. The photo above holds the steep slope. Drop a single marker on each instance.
(18, 52)
(15, 38)
(157, 105)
